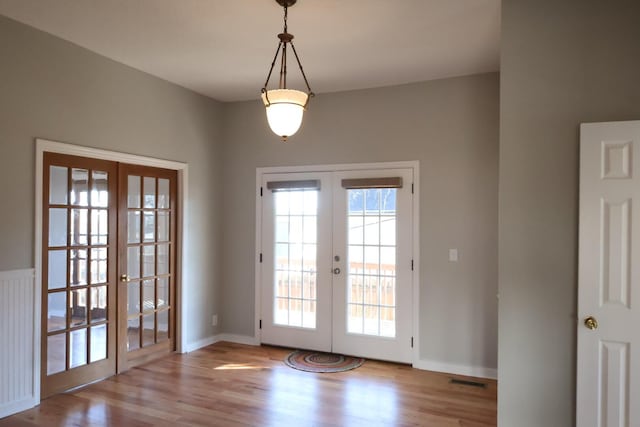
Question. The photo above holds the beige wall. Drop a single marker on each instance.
(451, 127)
(563, 63)
(53, 89)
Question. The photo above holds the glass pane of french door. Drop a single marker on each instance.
(295, 264)
(371, 254)
(79, 274)
(147, 266)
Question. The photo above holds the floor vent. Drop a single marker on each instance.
(469, 383)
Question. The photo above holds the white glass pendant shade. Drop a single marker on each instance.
(285, 108)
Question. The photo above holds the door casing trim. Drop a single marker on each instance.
(45, 145)
(412, 164)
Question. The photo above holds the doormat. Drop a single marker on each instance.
(315, 361)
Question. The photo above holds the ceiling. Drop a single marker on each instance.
(223, 48)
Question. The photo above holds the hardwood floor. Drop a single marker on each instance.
(229, 384)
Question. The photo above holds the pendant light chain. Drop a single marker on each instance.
(286, 14)
(283, 59)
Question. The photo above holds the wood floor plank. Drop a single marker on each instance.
(228, 384)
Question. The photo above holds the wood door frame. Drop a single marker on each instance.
(182, 240)
(415, 244)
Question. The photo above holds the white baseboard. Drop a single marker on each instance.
(196, 345)
(239, 339)
(450, 368)
(11, 408)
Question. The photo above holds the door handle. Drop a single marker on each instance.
(124, 277)
(591, 323)
(336, 270)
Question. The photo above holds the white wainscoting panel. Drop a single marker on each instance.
(17, 300)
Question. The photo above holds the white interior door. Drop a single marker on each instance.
(336, 270)
(608, 378)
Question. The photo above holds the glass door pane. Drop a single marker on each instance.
(296, 271)
(371, 260)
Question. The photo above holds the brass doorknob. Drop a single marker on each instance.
(124, 278)
(591, 323)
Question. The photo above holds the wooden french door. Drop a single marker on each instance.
(78, 272)
(336, 262)
(147, 242)
(85, 307)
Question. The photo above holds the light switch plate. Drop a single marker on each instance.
(453, 255)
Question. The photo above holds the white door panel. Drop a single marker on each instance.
(608, 377)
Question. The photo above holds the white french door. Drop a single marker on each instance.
(296, 260)
(373, 254)
(336, 271)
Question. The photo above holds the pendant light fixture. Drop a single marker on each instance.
(285, 107)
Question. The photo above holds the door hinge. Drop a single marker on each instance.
(260, 191)
(412, 188)
(260, 323)
(411, 265)
(411, 342)
(260, 256)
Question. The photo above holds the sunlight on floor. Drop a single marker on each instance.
(237, 366)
